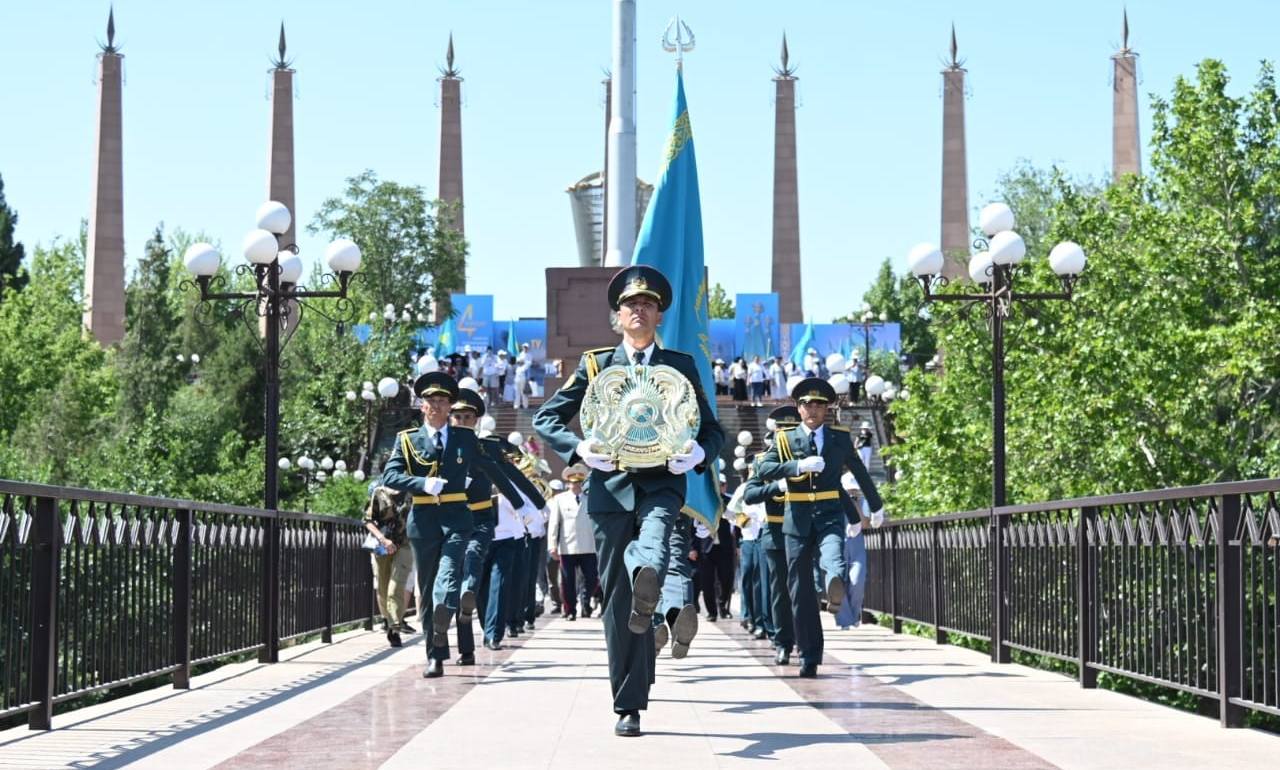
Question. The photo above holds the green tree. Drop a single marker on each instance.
(1164, 369)
(901, 301)
(11, 252)
(412, 254)
(149, 370)
(721, 304)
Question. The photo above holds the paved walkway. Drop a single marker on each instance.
(882, 701)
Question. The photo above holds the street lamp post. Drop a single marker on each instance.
(995, 272)
(275, 296)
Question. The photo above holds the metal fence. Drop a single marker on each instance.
(1176, 587)
(99, 590)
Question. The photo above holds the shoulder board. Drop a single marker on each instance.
(593, 364)
(841, 428)
(407, 430)
(599, 350)
(490, 437)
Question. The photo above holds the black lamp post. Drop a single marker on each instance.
(275, 299)
(995, 272)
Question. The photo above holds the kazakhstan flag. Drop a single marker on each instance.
(670, 239)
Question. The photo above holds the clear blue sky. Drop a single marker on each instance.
(196, 113)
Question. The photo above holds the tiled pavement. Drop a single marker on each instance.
(881, 701)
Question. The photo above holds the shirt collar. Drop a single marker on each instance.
(631, 352)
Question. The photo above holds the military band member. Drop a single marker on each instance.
(809, 460)
(632, 513)
(571, 542)
(773, 541)
(433, 463)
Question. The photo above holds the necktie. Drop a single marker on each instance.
(439, 443)
(638, 357)
(578, 499)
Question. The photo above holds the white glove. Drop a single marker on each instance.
(782, 486)
(593, 459)
(853, 530)
(688, 460)
(877, 518)
(432, 485)
(812, 464)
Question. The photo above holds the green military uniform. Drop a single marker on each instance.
(816, 509)
(632, 513)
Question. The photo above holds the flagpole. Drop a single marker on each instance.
(620, 175)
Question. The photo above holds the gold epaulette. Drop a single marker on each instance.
(841, 428)
(593, 366)
(783, 444)
(411, 453)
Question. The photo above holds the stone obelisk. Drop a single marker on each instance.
(786, 195)
(450, 189)
(104, 263)
(280, 170)
(955, 177)
(1126, 157)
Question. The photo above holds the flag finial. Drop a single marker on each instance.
(678, 39)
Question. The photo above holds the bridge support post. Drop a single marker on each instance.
(893, 580)
(330, 561)
(46, 550)
(182, 600)
(935, 559)
(999, 589)
(1086, 591)
(1230, 598)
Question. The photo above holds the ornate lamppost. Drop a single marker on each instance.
(995, 271)
(277, 299)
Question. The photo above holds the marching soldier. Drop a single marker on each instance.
(432, 463)
(773, 541)
(808, 461)
(632, 513)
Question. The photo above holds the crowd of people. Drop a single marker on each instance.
(501, 376)
(756, 381)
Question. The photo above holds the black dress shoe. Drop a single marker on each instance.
(571, 616)
(489, 644)
(782, 658)
(744, 623)
(628, 724)
(433, 670)
(405, 628)
(555, 609)
(711, 616)
(440, 618)
(393, 638)
(835, 594)
(661, 635)
(683, 628)
(809, 670)
(467, 604)
(466, 660)
(645, 592)
(760, 633)
(586, 611)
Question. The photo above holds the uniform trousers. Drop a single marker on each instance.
(855, 582)
(390, 573)
(552, 587)
(784, 627)
(755, 585)
(677, 583)
(625, 542)
(516, 591)
(577, 596)
(826, 541)
(438, 551)
(473, 564)
(536, 575)
(497, 586)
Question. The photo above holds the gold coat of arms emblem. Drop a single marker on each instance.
(640, 415)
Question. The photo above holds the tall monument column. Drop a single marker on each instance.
(955, 175)
(451, 145)
(786, 195)
(1126, 155)
(621, 172)
(280, 169)
(104, 263)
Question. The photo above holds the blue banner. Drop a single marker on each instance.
(472, 321)
(722, 345)
(756, 326)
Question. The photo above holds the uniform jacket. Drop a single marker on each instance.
(782, 459)
(415, 458)
(569, 528)
(617, 490)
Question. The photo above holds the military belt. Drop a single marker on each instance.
(775, 519)
(810, 497)
(452, 497)
(483, 505)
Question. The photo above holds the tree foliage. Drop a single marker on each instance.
(721, 303)
(1164, 370)
(12, 273)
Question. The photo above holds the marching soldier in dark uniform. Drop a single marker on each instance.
(432, 463)
(632, 512)
(466, 411)
(808, 460)
(774, 541)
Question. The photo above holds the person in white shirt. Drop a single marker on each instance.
(529, 606)
(778, 379)
(503, 367)
(489, 375)
(756, 377)
(721, 377)
(749, 520)
(811, 363)
(501, 573)
(523, 366)
(738, 379)
(571, 542)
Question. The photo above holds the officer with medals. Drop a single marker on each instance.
(632, 512)
(466, 411)
(807, 461)
(433, 463)
(772, 539)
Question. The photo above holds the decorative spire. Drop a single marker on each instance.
(282, 63)
(110, 47)
(449, 70)
(1124, 45)
(786, 70)
(955, 63)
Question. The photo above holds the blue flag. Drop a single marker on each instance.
(447, 339)
(802, 346)
(670, 239)
(513, 346)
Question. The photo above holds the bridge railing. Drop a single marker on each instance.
(100, 590)
(1175, 587)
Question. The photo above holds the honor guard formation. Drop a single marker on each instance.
(491, 536)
